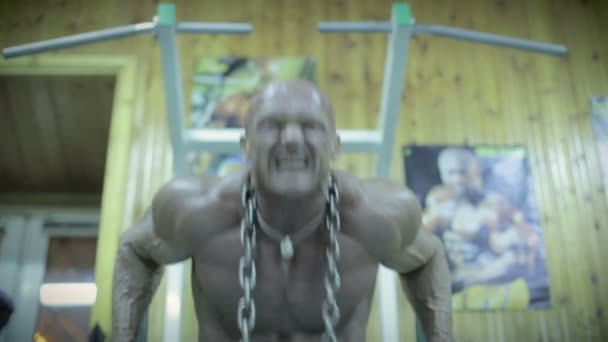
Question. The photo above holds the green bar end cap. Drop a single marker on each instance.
(166, 14)
(403, 14)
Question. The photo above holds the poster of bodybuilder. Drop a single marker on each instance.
(223, 88)
(599, 120)
(479, 201)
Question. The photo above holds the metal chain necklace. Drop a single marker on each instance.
(331, 311)
(246, 309)
(247, 275)
(287, 241)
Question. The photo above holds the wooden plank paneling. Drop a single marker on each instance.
(455, 92)
(59, 127)
(11, 157)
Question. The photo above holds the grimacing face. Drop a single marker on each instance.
(290, 140)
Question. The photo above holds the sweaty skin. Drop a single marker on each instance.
(290, 142)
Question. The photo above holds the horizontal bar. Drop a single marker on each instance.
(225, 28)
(78, 39)
(444, 31)
(491, 39)
(227, 140)
(355, 27)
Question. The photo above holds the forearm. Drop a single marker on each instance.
(134, 283)
(428, 289)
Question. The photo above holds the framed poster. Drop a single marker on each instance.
(479, 201)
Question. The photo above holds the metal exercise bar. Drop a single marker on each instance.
(355, 27)
(448, 32)
(226, 140)
(224, 28)
(78, 39)
(122, 32)
(491, 39)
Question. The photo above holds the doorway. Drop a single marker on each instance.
(65, 122)
(47, 262)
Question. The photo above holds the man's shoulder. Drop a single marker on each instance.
(381, 190)
(191, 200)
(373, 191)
(185, 190)
(387, 209)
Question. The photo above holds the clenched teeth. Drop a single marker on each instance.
(291, 163)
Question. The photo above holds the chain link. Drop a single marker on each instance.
(247, 274)
(331, 311)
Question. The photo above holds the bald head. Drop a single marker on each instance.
(290, 95)
(290, 138)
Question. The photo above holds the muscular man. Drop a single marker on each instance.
(290, 141)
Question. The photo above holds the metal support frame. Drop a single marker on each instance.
(390, 105)
(400, 28)
(172, 76)
(174, 100)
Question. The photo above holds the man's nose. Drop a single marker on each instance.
(292, 134)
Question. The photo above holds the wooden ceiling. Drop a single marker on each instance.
(53, 136)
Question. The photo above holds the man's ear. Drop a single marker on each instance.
(336, 148)
(244, 147)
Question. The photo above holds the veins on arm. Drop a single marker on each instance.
(151, 243)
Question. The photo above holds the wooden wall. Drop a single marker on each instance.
(53, 134)
(456, 92)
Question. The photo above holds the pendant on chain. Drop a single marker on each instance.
(286, 248)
